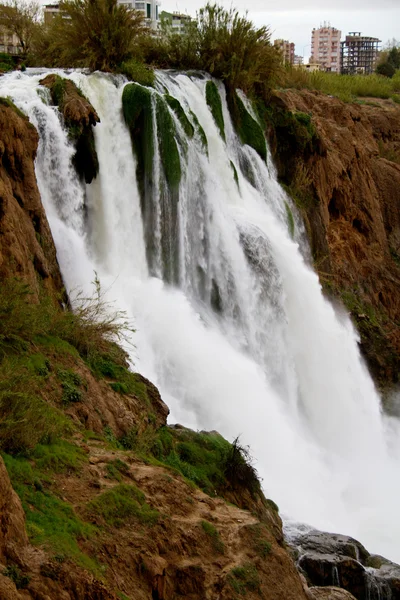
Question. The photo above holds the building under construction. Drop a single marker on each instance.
(359, 54)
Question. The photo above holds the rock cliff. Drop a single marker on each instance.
(27, 250)
(341, 163)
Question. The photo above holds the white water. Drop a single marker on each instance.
(278, 366)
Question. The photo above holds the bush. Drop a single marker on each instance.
(138, 71)
(98, 34)
(386, 69)
(244, 578)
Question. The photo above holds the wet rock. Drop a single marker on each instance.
(330, 593)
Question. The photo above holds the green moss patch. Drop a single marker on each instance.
(214, 102)
(180, 113)
(169, 152)
(244, 579)
(51, 521)
(213, 534)
(10, 104)
(247, 128)
(138, 72)
(290, 219)
(121, 504)
(200, 132)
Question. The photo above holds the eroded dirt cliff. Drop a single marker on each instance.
(342, 165)
(27, 250)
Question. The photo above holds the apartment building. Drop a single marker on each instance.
(178, 22)
(325, 48)
(149, 9)
(359, 54)
(9, 43)
(287, 49)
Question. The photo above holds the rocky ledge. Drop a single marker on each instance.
(327, 559)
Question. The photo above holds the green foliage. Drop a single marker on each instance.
(58, 91)
(25, 418)
(214, 102)
(98, 34)
(213, 534)
(120, 504)
(259, 540)
(239, 470)
(137, 71)
(386, 69)
(22, 20)
(60, 457)
(169, 152)
(20, 580)
(70, 383)
(345, 87)
(50, 521)
(125, 382)
(180, 113)
(116, 468)
(248, 129)
(244, 578)
(206, 459)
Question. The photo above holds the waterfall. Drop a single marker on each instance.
(243, 340)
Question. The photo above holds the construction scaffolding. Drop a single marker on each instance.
(359, 54)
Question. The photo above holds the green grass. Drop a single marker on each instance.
(244, 579)
(51, 521)
(259, 540)
(116, 468)
(62, 457)
(213, 534)
(10, 104)
(121, 504)
(214, 102)
(138, 72)
(344, 87)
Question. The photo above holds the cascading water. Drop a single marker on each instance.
(244, 341)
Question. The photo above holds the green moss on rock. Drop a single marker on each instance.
(235, 174)
(138, 115)
(180, 113)
(247, 128)
(200, 132)
(214, 102)
(169, 153)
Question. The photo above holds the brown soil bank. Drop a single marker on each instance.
(341, 163)
(27, 249)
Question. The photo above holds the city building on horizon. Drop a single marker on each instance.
(149, 9)
(287, 49)
(325, 48)
(359, 54)
(176, 20)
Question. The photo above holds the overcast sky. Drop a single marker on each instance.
(378, 18)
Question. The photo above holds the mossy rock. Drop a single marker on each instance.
(247, 128)
(79, 117)
(235, 173)
(180, 113)
(138, 114)
(200, 132)
(169, 152)
(214, 102)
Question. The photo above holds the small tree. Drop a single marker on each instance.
(99, 34)
(22, 19)
(386, 69)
